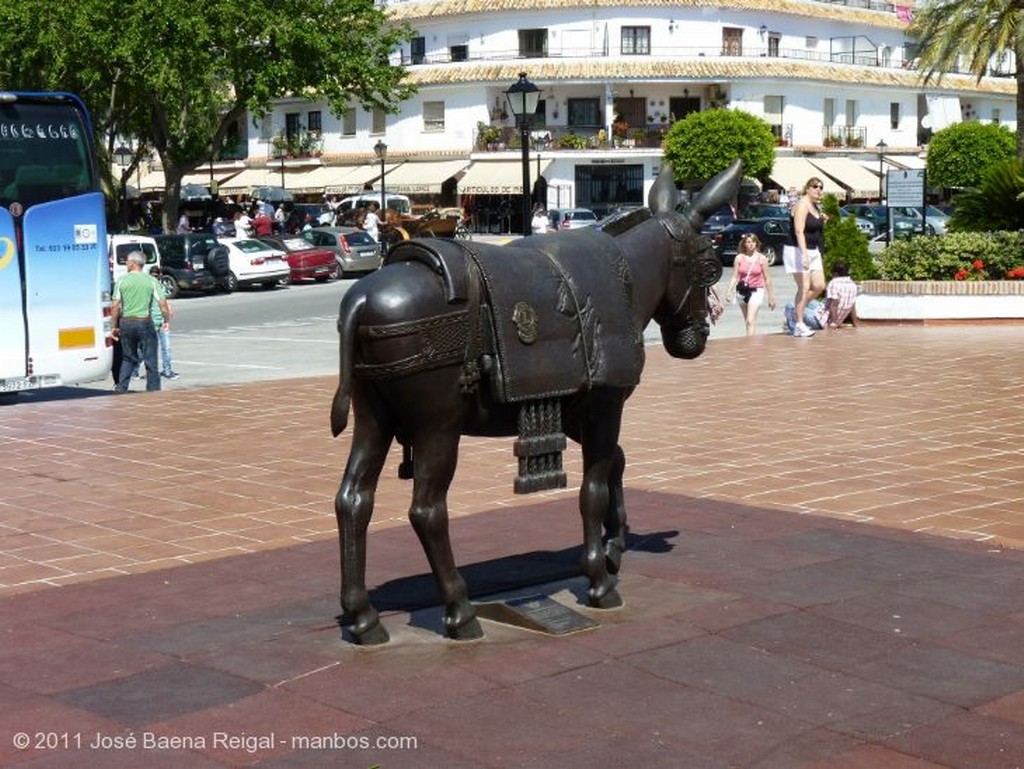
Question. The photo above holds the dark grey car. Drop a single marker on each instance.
(354, 250)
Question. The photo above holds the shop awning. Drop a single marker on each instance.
(794, 172)
(314, 181)
(860, 182)
(243, 182)
(352, 179)
(155, 181)
(498, 177)
(423, 177)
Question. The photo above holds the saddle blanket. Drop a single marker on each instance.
(562, 313)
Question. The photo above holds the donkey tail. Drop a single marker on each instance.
(352, 305)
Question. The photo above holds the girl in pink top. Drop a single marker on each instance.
(750, 280)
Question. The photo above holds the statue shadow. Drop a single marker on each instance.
(507, 574)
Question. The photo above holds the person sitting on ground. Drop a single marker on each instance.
(840, 298)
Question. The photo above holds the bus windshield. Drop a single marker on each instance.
(44, 153)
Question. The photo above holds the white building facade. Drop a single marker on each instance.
(833, 79)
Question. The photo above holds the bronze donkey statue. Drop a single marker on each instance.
(540, 338)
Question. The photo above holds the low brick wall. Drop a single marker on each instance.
(940, 301)
(943, 287)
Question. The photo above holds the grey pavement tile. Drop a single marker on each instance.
(965, 741)
(942, 674)
(159, 694)
(821, 641)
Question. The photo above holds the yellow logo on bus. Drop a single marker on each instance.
(8, 254)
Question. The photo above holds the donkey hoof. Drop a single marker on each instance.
(608, 600)
(374, 635)
(612, 557)
(468, 631)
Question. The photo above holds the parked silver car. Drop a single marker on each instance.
(571, 218)
(354, 249)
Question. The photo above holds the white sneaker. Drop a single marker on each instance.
(802, 330)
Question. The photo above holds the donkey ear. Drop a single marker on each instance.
(716, 193)
(663, 196)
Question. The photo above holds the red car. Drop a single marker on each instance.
(308, 262)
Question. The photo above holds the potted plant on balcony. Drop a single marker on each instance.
(488, 136)
(572, 141)
(620, 130)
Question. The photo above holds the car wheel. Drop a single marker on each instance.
(170, 286)
(229, 282)
(771, 255)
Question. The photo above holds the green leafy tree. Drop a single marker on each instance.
(176, 76)
(845, 242)
(997, 204)
(704, 144)
(961, 155)
(975, 31)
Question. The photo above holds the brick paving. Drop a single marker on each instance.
(825, 571)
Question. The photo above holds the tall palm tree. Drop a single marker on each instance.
(978, 30)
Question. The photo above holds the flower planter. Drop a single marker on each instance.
(940, 301)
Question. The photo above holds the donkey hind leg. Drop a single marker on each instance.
(353, 507)
(434, 458)
(615, 528)
(599, 442)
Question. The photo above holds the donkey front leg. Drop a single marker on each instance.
(434, 460)
(353, 507)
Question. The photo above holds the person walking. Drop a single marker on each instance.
(162, 324)
(371, 223)
(750, 281)
(130, 314)
(802, 256)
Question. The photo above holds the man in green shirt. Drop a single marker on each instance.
(134, 295)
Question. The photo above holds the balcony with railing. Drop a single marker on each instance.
(843, 136)
(862, 58)
(502, 138)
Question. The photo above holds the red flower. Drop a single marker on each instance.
(961, 274)
(1016, 272)
(978, 264)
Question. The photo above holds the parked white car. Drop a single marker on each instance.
(252, 262)
(119, 246)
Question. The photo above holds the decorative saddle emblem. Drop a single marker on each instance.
(525, 319)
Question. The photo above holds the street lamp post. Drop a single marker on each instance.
(523, 97)
(123, 157)
(881, 146)
(380, 149)
(282, 153)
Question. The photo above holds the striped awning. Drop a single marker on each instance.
(860, 182)
(794, 172)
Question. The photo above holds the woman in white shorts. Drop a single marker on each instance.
(802, 256)
(750, 280)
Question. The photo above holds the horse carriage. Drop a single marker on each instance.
(541, 338)
(435, 223)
